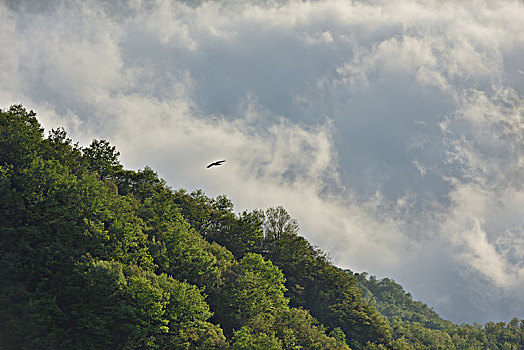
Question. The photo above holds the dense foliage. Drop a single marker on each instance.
(414, 325)
(95, 256)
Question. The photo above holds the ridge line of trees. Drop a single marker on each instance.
(97, 256)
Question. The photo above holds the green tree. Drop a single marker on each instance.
(247, 339)
(59, 147)
(259, 288)
(20, 136)
(279, 223)
(127, 307)
(102, 158)
(244, 234)
(392, 301)
(141, 184)
(96, 256)
(331, 295)
(299, 330)
(177, 248)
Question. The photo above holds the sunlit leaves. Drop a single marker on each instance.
(259, 287)
(95, 256)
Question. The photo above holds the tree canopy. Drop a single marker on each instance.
(95, 256)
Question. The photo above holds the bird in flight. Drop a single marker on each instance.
(218, 162)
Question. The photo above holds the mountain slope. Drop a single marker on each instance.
(97, 256)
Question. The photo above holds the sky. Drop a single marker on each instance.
(393, 131)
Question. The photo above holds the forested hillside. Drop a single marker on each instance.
(95, 256)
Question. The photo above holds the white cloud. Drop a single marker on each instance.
(391, 130)
(487, 214)
(477, 227)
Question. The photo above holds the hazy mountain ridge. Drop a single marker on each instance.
(95, 255)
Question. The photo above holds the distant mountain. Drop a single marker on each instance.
(393, 302)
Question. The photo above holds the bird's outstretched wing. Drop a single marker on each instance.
(218, 162)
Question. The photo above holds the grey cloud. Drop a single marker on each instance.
(391, 130)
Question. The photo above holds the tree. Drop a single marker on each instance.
(278, 223)
(127, 307)
(177, 248)
(59, 147)
(299, 330)
(96, 256)
(247, 339)
(244, 234)
(259, 288)
(140, 184)
(314, 283)
(102, 158)
(20, 136)
(392, 301)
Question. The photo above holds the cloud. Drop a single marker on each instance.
(391, 130)
(482, 228)
(486, 219)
